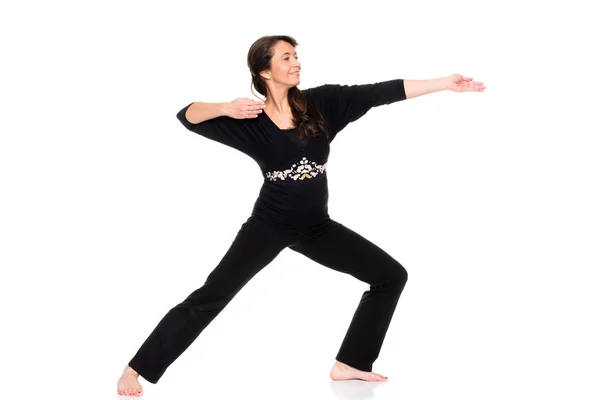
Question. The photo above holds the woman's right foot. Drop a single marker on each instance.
(128, 384)
(344, 372)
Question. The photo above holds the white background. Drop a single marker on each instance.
(112, 212)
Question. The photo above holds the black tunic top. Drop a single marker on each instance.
(294, 190)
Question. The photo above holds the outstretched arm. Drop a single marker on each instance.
(455, 83)
(341, 104)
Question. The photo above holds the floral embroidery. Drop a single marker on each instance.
(304, 169)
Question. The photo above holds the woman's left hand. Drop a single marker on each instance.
(459, 83)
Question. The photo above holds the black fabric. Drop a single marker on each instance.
(296, 193)
(256, 244)
(341, 104)
(290, 212)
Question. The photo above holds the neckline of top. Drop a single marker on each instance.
(275, 125)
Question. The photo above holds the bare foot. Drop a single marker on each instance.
(128, 384)
(343, 372)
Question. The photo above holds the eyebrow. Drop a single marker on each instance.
(295, 53)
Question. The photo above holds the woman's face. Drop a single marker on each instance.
(285, 67)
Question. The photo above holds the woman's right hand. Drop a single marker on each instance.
(244, 108)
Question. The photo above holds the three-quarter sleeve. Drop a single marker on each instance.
(341, 104)
(229, 131)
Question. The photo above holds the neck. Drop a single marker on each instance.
(277, 101)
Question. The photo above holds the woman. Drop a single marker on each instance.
(288, 135)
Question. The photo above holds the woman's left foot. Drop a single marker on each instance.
(344, 372)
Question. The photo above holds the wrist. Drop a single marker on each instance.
(443, 83)
(223, 109)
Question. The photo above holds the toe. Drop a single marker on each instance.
(379, 377)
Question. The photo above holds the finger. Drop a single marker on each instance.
(474, 89)
(255, 107)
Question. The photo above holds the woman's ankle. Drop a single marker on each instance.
(129, 370)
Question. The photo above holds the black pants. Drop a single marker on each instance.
(257, 243)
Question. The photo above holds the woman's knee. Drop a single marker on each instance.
(209, 297)
(399, 274)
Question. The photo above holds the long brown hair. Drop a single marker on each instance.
(308, 120)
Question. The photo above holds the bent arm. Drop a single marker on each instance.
(211, 121)
(415, 88)
(202, 111)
